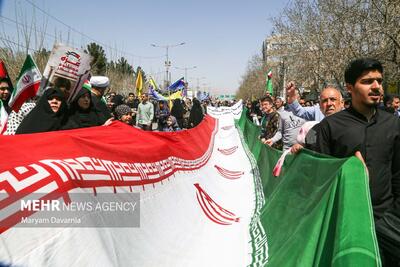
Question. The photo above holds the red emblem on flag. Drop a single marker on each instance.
(26, 79)
(232, 175)
(228, 151)
(212, 210)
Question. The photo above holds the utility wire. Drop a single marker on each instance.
(87, 36)
(21, 45)
(18, 25)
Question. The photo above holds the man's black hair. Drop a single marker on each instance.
(358, 66)
(268, 99)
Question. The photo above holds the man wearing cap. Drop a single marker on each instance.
(99, 85)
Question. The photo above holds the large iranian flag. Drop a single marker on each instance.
(207, 198)
(28, 82)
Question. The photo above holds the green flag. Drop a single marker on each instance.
(268, 83)
(318, 212)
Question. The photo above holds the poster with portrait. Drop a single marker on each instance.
(67, 68)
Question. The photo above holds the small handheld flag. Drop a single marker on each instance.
(139, 83)
(28, 83)
(268, 84)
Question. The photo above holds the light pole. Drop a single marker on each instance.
(167, 62)
(198, 81)
(186, 77)
(186, 69)
(198, 84)
(205, 86)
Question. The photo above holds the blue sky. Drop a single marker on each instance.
(220, 36)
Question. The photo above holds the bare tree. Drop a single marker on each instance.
(324, 35)
(253, 81)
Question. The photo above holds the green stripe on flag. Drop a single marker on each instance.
(257, 232)
(318, 212)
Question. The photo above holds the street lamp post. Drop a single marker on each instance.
(186, 69)
(167, 62)
(198, 84)
(186, 77)
(198, 79)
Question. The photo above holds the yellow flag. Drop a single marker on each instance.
(175, 95)
(139, 83)
(153, 83)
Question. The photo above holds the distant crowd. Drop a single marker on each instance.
(92, 106)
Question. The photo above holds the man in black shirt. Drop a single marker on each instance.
(375, 135)
(133, 103)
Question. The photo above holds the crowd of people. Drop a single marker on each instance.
(365, 124)
(92, 106)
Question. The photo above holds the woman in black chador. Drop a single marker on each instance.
(48, 114)
(82, 112)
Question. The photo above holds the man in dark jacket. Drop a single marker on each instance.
(99, 85)
(269, 123)
(373, 135)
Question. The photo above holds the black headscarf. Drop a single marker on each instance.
(177, 109)
(42, 118)
(80, 118)
(196, 113)
(117, 100)
(101, 108)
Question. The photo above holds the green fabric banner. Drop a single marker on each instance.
(318, 212)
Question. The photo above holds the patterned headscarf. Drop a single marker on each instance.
(122, 110)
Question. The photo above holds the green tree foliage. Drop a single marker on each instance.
(123, 66)
(99, 60)
(121, 75)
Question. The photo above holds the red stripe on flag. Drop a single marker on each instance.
(26, 94)
(77, 158)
